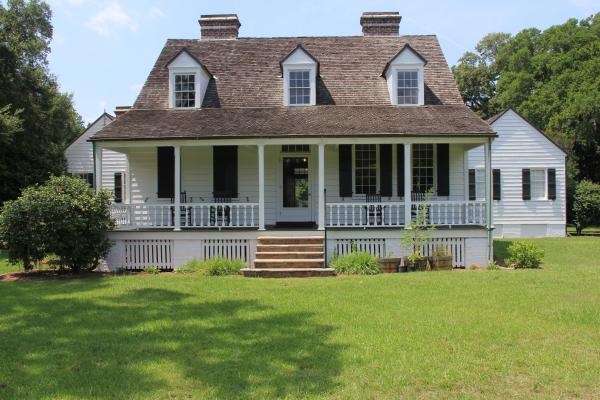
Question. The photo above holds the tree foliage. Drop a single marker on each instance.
(586, 205)
(63, 217)
(552, 77)
(37, 121)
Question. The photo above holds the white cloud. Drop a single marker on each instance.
(155, 13)
(105, 21)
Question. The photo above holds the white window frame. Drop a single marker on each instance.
(310, 86)
(418, 87)
(377, 168)
(434, 162)
(174, 93)
(480, 175)
(312, 70)
(544, 172)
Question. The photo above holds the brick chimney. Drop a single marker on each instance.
(221, 26)
(380, 23)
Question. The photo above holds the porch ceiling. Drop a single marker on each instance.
(319, 121)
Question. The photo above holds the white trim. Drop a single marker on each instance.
(545, 174)
(312, 71)
(377, 169)
(321, 186)
(261, 187)
(185, 64)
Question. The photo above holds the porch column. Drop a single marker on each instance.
(488, 196)
(321, 197)
(261, 187)
(98, 166)
(128, 179)
(177, 202)
(407, 184)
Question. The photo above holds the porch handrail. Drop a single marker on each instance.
(452, 212)
(365, 214)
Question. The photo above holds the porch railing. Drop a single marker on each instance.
(451, 212)
(190, 215)
(364, 215)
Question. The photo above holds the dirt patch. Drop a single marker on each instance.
(48, 274)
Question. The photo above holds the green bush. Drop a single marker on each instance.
(193, 265)
(586, 205)
(356, 263)
(152, 270)
(64, 217)
(524, 255)
(492, 266)
(223, 266)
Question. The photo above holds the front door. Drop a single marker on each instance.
(295, 189)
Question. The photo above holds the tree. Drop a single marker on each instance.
(62, 217)
(586, 205)
(36, 120)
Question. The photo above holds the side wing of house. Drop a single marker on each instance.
(80, 156)
(531, 179)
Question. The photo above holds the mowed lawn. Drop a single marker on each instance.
(454, 334)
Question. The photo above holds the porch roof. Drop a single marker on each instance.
(320, 121)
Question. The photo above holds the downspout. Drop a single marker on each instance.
(490, 216)
(94, 162)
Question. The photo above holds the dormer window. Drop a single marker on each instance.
(299, 91)
(405, 78)
(299, 70)
(408, 87)
(185, 90)
(188, 80)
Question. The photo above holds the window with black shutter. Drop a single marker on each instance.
(345, 170)
(166, 172)
(443, 169)
(400, 168)
(497, 186)
(118, 192)
(551, 184)
(89, 177)
(385, 169)
(526, 184)
(225, 171)
(472, 185)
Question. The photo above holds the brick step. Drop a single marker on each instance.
(288, 272)
(288, 254)
(261, 248)
(289, 263)
(290, 240)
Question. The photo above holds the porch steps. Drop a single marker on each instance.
(296, 256)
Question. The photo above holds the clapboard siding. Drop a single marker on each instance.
(518, 146)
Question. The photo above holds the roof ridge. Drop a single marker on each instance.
(302, 37)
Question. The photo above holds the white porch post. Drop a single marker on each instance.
(177, 202)
(407, 184)
(321, 197)
(98, 166)
(261, 187)
(128, 179)
(488, 196)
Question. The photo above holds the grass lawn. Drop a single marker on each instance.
(452, 334)
(6, 266)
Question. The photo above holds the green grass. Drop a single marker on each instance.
(590, 229)
(450, 334)
(5, 265)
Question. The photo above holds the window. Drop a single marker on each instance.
(480, 184)
(299, 87)
(538, 184)
(295, 148)
(365, 156)
(422, 168)
(185, 90)
(408, 87)
(87, 177)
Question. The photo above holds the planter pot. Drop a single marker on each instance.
(389, 264)
(441, 262)
(419, 265)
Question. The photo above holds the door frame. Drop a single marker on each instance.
(285, 214)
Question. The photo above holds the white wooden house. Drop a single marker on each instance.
(286, 151)
(529, 182)
(80, 158)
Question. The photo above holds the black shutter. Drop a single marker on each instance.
(345, 170)
(443, 169)
(526, 184)
(472, 188)
(166, 172)
(118, 192)
(497, 187)
(400, 169)
(551, 184)
(225, 171)
(90, 179)
(385, 169)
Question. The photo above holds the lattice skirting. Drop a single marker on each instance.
(228, 248)
(141, 254)
(375, 247)
(454, 246)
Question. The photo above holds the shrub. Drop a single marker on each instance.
(492, 266)
(152, 270)
(356, 263)
(524, 255)
(63, 217)
(193, 265)
(222, 266)
(586, 205)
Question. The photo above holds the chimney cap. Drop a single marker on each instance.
(380, 23)
(219, 26)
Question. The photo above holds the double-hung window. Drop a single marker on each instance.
(365, 159)
(480, 184)
(422, 168)
(538, 184)
(408, 87)
(185, 90)
(299, 88)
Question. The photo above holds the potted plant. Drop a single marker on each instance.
(389, 264)
(441, 259)
(416, 236)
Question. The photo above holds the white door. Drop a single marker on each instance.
(295, 187)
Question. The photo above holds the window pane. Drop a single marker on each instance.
(365, 158)
(538, 184)
(480, 184)
(422, 167)
(185, 90)
(299, 90)
(408, 87)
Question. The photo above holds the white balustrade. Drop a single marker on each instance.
(451, 212)
(363, 215)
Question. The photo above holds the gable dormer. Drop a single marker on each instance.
(405, 78)
(299, 69)
(188, 80)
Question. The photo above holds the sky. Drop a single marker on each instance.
(103, 50)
